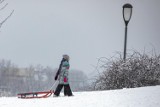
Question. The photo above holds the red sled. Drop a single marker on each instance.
(29, 95)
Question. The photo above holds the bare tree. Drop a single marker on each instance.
(3, 5)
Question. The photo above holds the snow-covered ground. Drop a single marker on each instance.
(137, 97)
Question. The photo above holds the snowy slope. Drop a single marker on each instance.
(137, 97)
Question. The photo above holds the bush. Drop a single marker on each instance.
(137, 71)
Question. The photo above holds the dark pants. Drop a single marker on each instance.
(67, 90)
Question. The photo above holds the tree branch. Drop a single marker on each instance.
(1, 1)
(4, 7)
(6, 19)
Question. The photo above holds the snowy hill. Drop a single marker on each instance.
(137, 97)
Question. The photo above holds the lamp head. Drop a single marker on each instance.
(127, 13)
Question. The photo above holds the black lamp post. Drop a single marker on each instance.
(127, 13)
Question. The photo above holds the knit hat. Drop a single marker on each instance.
(65, 56)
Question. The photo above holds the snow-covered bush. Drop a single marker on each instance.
(137, 70)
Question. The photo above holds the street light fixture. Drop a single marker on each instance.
(127, 13)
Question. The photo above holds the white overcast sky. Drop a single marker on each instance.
(41, 31)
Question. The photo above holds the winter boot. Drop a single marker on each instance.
(58, 90)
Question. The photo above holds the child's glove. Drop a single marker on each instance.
(65, 79)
